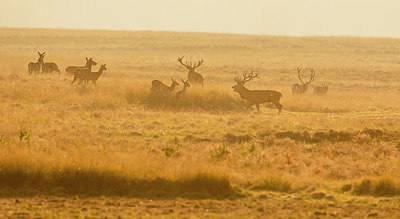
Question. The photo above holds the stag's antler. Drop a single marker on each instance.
(298, 74)
(180, 61)
(191, 66)
(246, 77)
(312, 76)
(198, 64)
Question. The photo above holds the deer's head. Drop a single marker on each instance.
(174, 83)
(41, 56)
(185, 83)
(90, 62)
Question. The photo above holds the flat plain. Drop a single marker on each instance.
(113, 150)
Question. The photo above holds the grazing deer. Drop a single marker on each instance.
(159, 87)
(49, 67)
(93, 76)
(302, 88)
(256, 96)
(193, 77)
(81, 73)
(35, 66)
(180, 95)
(71, 69)
(320, 90)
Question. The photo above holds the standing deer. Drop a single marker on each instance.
(320, 90)
(256, 96)
(93, 76)
(193, 77)
(71, 69)
(180, 95)
(49, 67)
(81, 73)
(35, 66)
(302, 88)
(159, 87)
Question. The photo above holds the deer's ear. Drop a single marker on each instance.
(182, 80)
(87, 59)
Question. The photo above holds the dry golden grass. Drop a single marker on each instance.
(115, 139)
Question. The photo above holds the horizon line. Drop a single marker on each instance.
(196, 32)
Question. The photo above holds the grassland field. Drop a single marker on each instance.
(111, 150)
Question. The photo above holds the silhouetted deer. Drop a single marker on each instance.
(71, 69)
(256, 96)
(49, 67)
(159, 87)
(320, 90)
(302, 88)
(81, 73)
(193, 77)
(180, 95)
(35, 66)
(93, 76)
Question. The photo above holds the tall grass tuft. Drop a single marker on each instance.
(380, 186)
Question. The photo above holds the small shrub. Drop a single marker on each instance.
(272, 183)
(171, 151)
(220, 153)
(24, 135)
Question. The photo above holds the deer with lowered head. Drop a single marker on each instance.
(193, 77)
(35, 66)
(303, 87)
(159, 87)
(180, 95)
(320, 90)
(81, 73)
(49, 67)
(256, 97)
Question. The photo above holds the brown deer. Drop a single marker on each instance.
(49, 67)
(94, 76)
(193, 77)
(256, 96)
(71, 69)
(35, 66)
(81, 73)
(180, 95)
(303, 87)
(159, 87)
(320, 90)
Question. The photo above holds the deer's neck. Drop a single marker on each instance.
(98, 73)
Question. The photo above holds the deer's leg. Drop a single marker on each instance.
(279, 106)
(258, 108)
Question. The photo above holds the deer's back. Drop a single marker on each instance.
(261, 96)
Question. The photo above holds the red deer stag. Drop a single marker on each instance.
(35, 66)
(82, 73)
(302, 88)
(180, 95)
(320, 90)
(71, 69)
(159, 87)
(256, 96)
(193, 77)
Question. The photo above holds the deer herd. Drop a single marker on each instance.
(158, 88)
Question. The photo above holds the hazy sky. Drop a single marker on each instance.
(267, 17)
